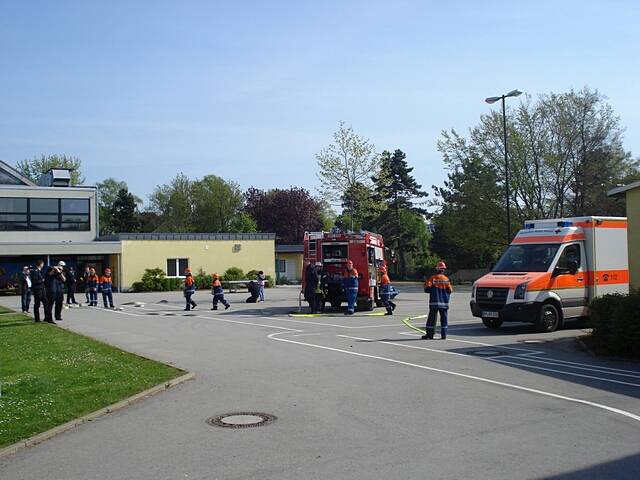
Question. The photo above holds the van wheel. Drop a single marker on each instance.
(492, 323)
(548, 318)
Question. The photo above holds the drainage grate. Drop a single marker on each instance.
(485, 352)
(241, 420)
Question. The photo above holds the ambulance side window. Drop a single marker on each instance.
(571, 253)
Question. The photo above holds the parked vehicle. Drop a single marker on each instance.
(334, 249)
(552, 270)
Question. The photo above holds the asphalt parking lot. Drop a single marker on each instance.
(355, 397)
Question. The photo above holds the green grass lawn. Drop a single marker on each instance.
(5, 309)
(50, 376)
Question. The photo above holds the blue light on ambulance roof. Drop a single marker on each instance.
(529, 225)
(565, 224)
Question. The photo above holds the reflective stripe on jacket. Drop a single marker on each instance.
(439, 288)
(106, 283)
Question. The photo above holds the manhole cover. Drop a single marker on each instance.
(241, 420)
(485, 352)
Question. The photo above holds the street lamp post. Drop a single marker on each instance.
(490, 100)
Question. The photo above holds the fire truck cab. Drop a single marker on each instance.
(334, 249)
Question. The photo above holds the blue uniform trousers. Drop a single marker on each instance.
(432, 319)
(352, 298)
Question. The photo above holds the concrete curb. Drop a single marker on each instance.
(41, 437)
(583, 346)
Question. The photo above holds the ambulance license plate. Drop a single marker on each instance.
(490, 315)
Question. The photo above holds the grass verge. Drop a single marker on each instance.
(5, 309)
(50, 376)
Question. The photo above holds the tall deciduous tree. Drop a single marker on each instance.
(348, 161)
(35, 167)
(172, 202)
(216, 202)
(289, 213)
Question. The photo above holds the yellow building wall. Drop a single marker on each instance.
(295, 259)
(212, 256)
(633, 236)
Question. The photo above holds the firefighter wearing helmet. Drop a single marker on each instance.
(218, 292)
(106, 287)
(189, 290)
(386, 291)
(351, 284)
(438, 287)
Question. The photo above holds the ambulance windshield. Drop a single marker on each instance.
(527, 258)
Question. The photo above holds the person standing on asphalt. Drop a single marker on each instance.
(25, 289)
(261, 281)
(218, 293)
(189, 290)
(91, 287)
(321, 285)
(310, 283)
(386, 291)
(71, 286)
(438, 287)
(85, 279)
(351, 284)
(106, 287)
(37, 288)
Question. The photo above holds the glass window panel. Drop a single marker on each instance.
(13, 205)
(171, 267)
(79, 217)
(183, 263)
(77, 226)
(75, 205)
(44, 226)
(44, 205)
(6, 227)
(20, 217)
(46, 217)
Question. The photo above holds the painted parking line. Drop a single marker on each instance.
(624, 413)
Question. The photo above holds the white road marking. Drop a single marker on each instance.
(560, 363)
(580, 401)
(563, 372)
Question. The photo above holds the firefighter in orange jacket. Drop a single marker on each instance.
(351, 283)
(189, 290)
(438, 287)
(386, 291)
(218, 293)
(106, 287)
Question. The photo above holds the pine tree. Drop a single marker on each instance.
(124, 212)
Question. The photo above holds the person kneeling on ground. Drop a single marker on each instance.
(106, 287)
(439, 289)
(386, 291)
(189, 290)
(218, 293)
(254, 290)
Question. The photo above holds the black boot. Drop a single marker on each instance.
(389, 311)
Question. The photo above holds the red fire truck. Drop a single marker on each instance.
(333, 249)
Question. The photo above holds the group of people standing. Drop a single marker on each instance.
(437, 286)
(47, 287)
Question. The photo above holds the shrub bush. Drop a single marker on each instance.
(283, 281)
(153, 280)
(233, 273)
(202, 280)
(615, 320)
(253, 274)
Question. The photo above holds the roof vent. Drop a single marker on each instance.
(56, 177)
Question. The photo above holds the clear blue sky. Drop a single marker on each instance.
(250, 91)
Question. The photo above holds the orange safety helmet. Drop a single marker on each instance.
(215, 275)
(187, 270)
(441, 265)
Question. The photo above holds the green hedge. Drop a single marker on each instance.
(155, 280)
(615, 320)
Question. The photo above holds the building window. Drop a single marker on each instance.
(177, 266)
(281, 265)
(50, 214)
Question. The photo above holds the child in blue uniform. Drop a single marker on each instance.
(438, 287)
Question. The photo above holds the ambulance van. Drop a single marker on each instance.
(552, 270)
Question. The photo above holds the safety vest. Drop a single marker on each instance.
(439, 288)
